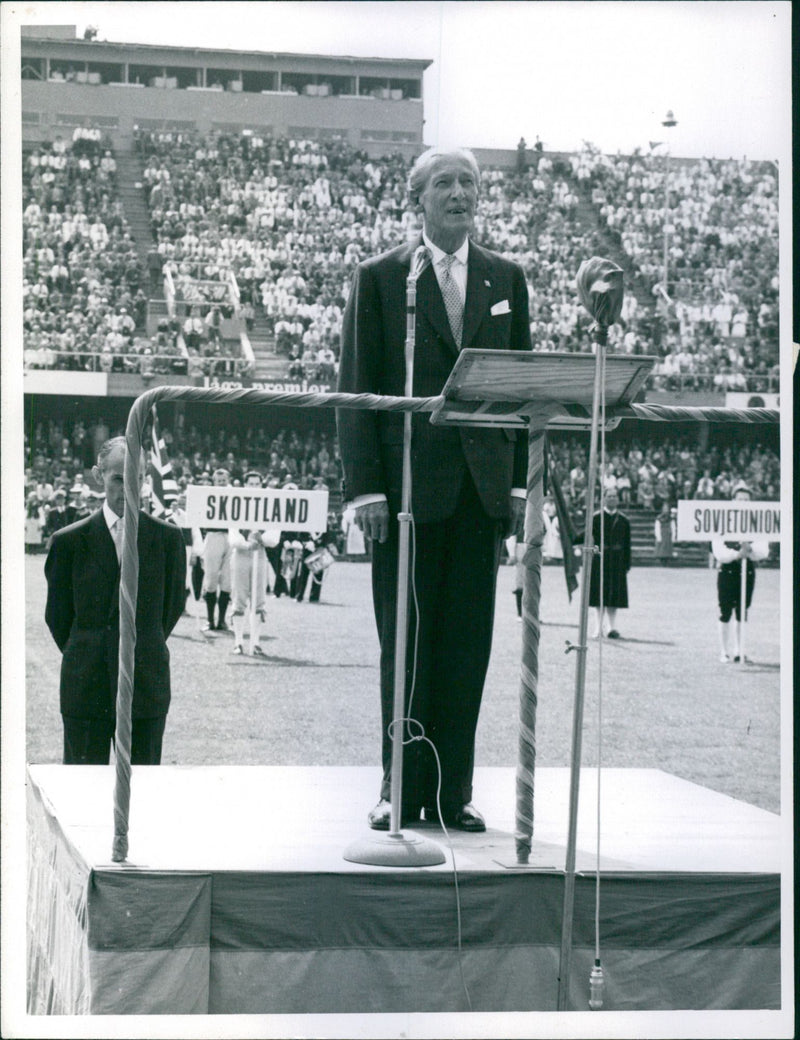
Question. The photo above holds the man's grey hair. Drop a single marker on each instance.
(119, 442)
(107, 447)
(423, 165)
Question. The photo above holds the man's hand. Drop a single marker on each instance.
(517, 521)
(373, 519)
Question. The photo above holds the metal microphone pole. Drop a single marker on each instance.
(403, 561)
(397, 849)
(580, 680)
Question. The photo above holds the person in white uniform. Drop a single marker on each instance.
(249, 577)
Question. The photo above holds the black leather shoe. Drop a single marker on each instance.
(380, 818)
(467, 818)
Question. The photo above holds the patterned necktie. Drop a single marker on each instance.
(452, 299)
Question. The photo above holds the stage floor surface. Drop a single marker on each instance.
(236, 896)
(274, 818)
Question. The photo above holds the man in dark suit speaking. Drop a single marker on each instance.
(461, 479)
(82, 613)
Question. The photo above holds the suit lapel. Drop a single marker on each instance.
(101, 544)
(430, 303)
(478, 294)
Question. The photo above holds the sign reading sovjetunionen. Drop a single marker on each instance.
(738, 521)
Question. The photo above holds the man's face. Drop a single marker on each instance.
(612, 501)
(220, 479)
(252, 482)
(112, 479)
(449, 200)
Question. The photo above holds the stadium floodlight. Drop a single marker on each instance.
(668, 122)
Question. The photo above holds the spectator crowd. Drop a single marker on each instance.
(255, 229)
(647, 473)
(268, 230)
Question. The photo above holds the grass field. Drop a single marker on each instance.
(667, 702)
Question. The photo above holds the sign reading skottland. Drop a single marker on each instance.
(256, 508)
(733, 521)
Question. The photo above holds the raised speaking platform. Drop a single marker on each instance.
(236, 898)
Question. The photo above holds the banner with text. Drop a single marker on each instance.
(736, 521)
(256, 508)
(288, 386)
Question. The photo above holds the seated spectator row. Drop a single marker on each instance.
(84, 303)
(647, 470)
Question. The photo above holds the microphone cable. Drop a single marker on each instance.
(408, 722)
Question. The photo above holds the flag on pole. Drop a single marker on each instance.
(164, 487)
(566, 529)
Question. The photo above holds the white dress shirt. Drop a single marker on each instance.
(458, 272)
(111, 518)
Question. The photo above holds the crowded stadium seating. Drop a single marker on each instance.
(269, 230)
(251, 232)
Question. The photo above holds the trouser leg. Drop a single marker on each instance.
(448, 651)
(87, 742)
(146, 739)
(237, 621)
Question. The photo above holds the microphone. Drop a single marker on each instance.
(419, 261)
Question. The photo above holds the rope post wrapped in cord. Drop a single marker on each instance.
(529, 676)
(128, 592)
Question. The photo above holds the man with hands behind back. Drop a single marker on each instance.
(82, 613)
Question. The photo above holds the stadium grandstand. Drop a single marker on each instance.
(195, 216)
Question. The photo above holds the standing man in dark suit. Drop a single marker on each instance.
(82, 613)
(461, 479)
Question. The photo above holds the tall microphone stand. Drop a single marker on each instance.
(395, 848)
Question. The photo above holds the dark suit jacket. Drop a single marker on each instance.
(373, 361)
(82, 614)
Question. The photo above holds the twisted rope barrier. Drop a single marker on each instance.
(684, 413)
(129, 573)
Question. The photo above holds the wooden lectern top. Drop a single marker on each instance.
(512, 387)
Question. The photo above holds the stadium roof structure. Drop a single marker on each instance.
(96, 47)
(375, 104)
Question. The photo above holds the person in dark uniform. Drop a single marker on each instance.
(217, 567)
(82, 613)
(616, 531)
